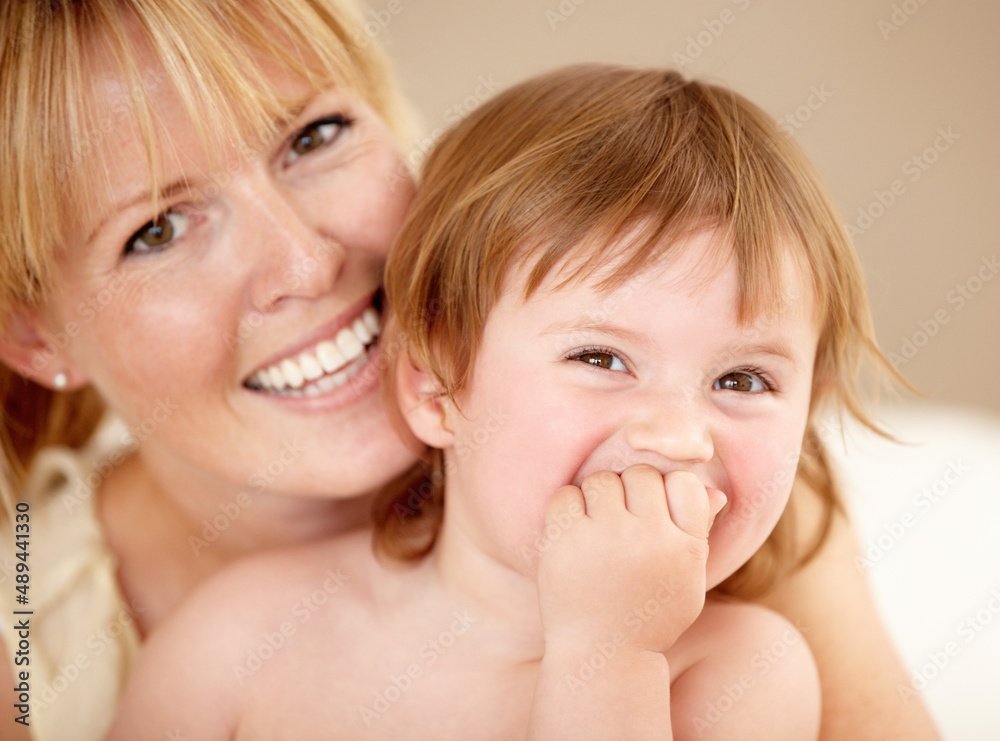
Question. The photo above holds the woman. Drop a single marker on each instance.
(197, 201)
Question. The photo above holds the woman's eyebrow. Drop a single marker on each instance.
(281, 123)
(168, 191)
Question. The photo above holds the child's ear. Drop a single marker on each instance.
(423, 404)
(27, 346)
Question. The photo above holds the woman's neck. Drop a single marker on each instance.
(170, 532)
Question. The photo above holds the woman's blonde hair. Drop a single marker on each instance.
(55, 123)
(551, 174)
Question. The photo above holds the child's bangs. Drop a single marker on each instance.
(612, 261)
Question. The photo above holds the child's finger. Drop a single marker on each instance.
(644, 491)
(688, 502)
(716, 501)
(603, 493)
(565, 506)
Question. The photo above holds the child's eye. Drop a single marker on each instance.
(746, 381)
(314, 136)
(599, 358)
(156, 235)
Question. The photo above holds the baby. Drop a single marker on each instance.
(616, 309)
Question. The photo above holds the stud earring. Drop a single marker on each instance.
(60, 381)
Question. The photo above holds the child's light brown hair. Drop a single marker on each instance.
(549, 174)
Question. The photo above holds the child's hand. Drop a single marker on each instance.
(624, 559)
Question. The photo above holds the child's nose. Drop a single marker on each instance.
(677, 432)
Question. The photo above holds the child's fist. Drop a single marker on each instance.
(627, 563)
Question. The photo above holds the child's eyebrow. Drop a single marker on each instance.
(576, 325)
(774, 347)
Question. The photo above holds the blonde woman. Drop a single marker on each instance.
(197, 200)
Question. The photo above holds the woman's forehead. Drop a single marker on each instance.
(176, 145)
(117, 92)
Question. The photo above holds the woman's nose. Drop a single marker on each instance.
(673, 428)
(292, 257)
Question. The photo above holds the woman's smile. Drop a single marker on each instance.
(324, 364)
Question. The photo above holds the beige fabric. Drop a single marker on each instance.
(83, 638)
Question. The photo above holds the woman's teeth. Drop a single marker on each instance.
(323, 367)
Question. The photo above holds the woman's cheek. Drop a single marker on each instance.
(384, 207)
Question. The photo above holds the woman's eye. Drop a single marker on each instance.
(314, 136)
(601, 359)
(741, 381)
(157, 234)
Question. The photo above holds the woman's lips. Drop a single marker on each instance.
(325, 365)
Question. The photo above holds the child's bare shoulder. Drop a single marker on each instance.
(743, 664)
(258, 590)
(196, 664)
(340, 565)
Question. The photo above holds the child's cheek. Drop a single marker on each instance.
(542, 449)
(760, 479)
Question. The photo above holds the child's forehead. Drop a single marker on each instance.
(685, 265)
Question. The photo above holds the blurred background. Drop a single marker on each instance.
(896, 102)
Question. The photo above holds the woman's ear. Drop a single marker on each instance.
(29, 348)
(423, 404)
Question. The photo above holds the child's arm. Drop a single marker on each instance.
(756, 679)
(618, 586)
(621, 576)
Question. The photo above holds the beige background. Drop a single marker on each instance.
(868, 86)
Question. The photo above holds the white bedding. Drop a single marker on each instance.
(927, 514)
